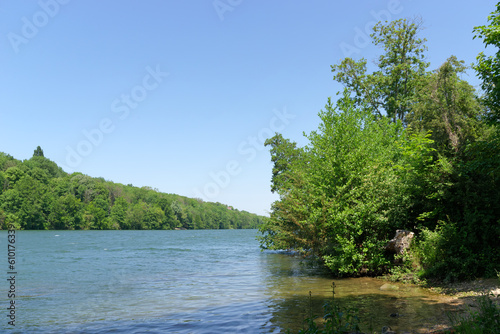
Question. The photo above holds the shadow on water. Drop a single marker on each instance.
(403, 314)
(404, 308)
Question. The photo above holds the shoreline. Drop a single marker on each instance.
(462, 297)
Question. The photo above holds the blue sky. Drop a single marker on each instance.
(180, 95)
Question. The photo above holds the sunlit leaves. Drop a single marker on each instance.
(391, 90)
(488, 67)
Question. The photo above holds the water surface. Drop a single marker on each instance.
(210, 281)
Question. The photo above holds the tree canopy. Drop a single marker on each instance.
(38, 152)
(37, 194)
(390, 90)
(488, 67)
(401, 148)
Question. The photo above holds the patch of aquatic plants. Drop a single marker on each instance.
(337, 319)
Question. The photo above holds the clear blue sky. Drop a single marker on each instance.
(179, 95)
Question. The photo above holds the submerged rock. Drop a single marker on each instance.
(387, 330)
(389, 287)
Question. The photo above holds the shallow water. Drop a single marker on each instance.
(215, 281)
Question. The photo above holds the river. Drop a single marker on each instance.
(205, 281)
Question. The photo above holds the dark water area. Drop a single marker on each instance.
(210, 281)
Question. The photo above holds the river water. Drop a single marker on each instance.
(206, 281)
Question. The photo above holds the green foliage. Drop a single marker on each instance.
(38, 152)
(9, 221)
(401, 149)
(443, 254)
(336, 209)
(447, 107)
(473, 206)
(392, 89)
(283, 153)
(37, 194)
(119, 214)
(12, 175)
(66, 213)
(3, 184)
(7, 161)
(488, 67)
(45, 164)
(337, 319)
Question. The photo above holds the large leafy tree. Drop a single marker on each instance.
(49, 166)
(402, 148)
(283, 154)
(390, 90)
(447, 107)
(339, 191)
(119, 213)
(66, 213)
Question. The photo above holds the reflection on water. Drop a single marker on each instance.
(404, 308)
(188, 282)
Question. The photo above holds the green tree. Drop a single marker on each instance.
(119, 213)
(136, 215)
(32, 212)
(3, 184)
(7, 161)
(179, 213)
(37, 194)
(467, 238)
(154, 217)
(488, 67)
(391, 90)
(335, 205)
(66, 213)
(95, 217)
(170, 220)
(430, 166)
(283, 154)
(49, 166)
(447, 107)
(13, 175)
(38, 152)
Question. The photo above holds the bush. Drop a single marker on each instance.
(455, 251)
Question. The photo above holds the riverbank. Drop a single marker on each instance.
(490, 286)
(433, 308)
(462, 300)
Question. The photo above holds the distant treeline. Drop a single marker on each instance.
(36, 194)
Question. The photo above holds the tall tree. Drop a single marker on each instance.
(447, 106)
(283, 154)
(339, 191)
(38, 152)
(392, 88)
